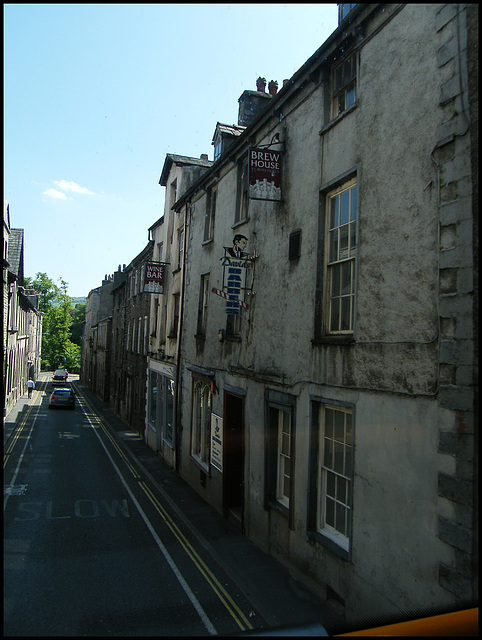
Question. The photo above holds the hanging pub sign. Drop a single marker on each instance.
(237, 275)
(264, 172)
(154, 277)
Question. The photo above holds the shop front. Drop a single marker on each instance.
(159, 433)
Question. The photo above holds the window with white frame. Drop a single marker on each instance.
(176, 309)
(334, 483)
(279, 451)
(210, 213)
(168, 430)
(153, 399)
(218, 148)
(173, 193)
(340, 252)
(146, 325)
(155, 318)
(233, 325)
(180, 240)
(161, 406)
(201, 422)
(203, 305)
(139, 334)
(283, 484)
(331, 475)
(344, 9)
(344, 84)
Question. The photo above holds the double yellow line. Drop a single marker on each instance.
(224, 597)
(96, 420)
(18, 430)
(213, 582)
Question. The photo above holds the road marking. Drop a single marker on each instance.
(233, 609)
(194, 601)
(214, 583)
(18, 430)
(92, 417)
(19, 490)
(20, 459)
(35, 509)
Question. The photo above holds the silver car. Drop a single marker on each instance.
(62, 397)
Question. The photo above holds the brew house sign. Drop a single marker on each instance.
(264, 174)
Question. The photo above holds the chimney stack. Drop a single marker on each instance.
(251, 103)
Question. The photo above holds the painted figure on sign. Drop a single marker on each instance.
(239, 243)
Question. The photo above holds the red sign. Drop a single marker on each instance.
(154, 277)
(264, 174)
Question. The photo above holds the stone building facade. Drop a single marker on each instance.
(327, 372)
(97, 336)
(22, 320)
(168, 237)
(118, 344)
(135, 315)
(310, 367)
(115, 340)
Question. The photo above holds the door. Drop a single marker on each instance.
(233, 457)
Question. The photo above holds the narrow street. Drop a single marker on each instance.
(91, 547)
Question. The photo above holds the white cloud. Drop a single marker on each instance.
(55, 195)
(72, 186)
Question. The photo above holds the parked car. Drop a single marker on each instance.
(62, 397)
(60, 376)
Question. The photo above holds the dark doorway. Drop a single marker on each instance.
(233, 463)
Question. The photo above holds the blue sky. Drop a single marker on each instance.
(96, 95)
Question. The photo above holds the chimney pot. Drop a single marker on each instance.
(272, 87)
(204, 156)
(261, 84)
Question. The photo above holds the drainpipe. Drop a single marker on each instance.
(177, 394)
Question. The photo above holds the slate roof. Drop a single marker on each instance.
(15, 252)
(230, 129)
(6, 229)
(6, 216)
(180, 161)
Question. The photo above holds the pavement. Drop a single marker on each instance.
(287, 607)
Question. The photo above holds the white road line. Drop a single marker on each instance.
(195, 602)
(19, 463)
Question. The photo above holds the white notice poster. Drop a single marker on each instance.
(217, 442)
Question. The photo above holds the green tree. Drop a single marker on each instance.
(58, 349)
(45, 287)
(78, 317)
